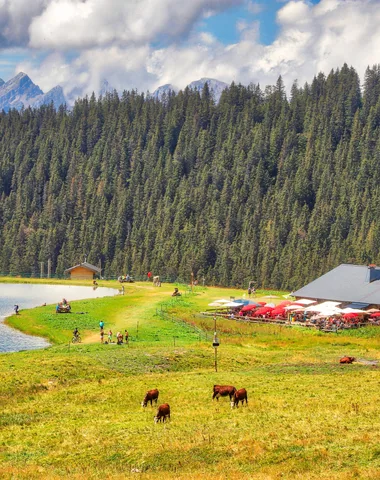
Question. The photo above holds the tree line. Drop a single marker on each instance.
(260, 186)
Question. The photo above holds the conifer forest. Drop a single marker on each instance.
(261, 186)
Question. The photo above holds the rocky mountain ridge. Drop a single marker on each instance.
(20, 92)
(216, 88)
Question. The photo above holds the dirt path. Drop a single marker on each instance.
(135, 310)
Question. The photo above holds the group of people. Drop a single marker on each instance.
(120, 337)
(125, 278)
(63, 306)
(336, 323)
(251, 289)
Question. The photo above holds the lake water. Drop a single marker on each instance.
(29, 296)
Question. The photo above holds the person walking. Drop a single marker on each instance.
(101, 325)
(109, 336)
(101, 336)
(126, 336)
(16, 309)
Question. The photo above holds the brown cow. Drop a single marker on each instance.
(163, 413)
(149, 397)
(239, 396)
(347, 360)
(223, 391)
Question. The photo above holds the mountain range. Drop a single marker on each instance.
(20, 92)
(216, 87)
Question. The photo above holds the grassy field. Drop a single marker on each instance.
(74, 411)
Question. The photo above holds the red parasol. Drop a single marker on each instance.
(248, 308)
(348, 316)
(277, 311)
(263, 310)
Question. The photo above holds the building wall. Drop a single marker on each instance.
(81, 273)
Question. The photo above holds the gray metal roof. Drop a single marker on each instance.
(93, 268)
(346, 283)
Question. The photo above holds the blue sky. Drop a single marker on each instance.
(223, 25)
(147, 43)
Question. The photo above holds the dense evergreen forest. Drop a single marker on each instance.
(260, 186)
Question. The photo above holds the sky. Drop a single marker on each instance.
(143, 44)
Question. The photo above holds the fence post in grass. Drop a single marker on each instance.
(215, 344)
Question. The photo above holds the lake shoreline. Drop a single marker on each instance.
(18, 333)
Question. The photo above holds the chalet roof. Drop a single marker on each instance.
(87, 265)
(346, 283)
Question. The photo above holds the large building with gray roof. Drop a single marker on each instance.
(359, 284)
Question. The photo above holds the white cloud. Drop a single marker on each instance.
(67, 24)
(15, 18)
(294, 12)
(118, 43)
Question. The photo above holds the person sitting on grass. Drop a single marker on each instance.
(176, 293)
(119, 337)
(76, 332)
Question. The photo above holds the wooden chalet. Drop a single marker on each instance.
(83, 271)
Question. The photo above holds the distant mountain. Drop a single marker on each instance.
(54, 95)
(164, 89)
(20, 91)
(105, 87)
(216, 87)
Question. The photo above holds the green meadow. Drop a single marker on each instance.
(74, 411)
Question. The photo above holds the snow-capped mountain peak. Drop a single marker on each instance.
(216, 86)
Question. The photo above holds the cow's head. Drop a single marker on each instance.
(143, 404)
(232, 404)
(155, 419)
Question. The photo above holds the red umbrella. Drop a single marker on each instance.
(262, 303)
(375, 315)
(248, 308)
(285, 303)
(350, 315)
(263, 310)
(277, 311)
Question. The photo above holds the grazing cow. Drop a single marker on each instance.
(163, 413)
(347, 360)
(239, 396)
(223, 391)
(149, 397)
(156, 281)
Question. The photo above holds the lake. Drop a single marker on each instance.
(29, 296)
